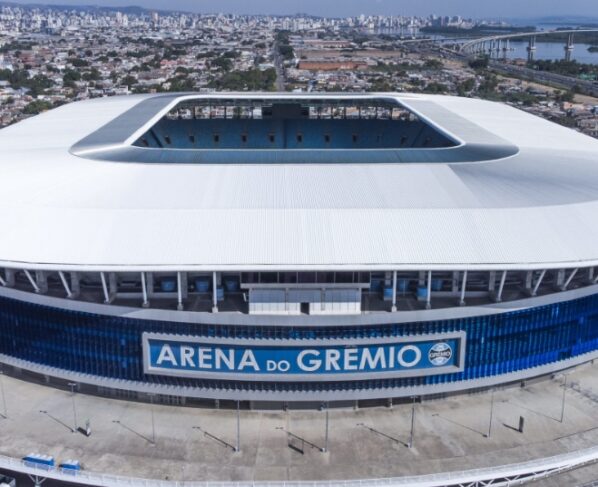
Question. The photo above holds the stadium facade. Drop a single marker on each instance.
(296, 247)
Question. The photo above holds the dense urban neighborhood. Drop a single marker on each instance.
(53, 55)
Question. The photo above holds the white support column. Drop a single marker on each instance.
(214, 293)
(590, 274)
(501, 286)
(9, 277)
(2, 281)
(394, 292)
(179, 290)
(112, 285)
(529, 278)
(455, 282)
(569, 279)
(463, 287)
(105, 288)
(429, 295)
(184, 285)
(560, 278)
(42, 281)
(492, 281)
(149, 284)
(145, 303)
(75, 285)
(32, 281)
(65, 284)
(538, 282)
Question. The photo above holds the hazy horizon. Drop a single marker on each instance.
(334, 8)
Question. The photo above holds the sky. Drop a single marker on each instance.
(342, 8)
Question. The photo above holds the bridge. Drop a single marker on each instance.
(500, 43)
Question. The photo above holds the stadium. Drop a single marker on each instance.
(295, 248)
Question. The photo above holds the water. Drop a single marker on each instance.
(553, 50)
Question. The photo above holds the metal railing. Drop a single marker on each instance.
(506, 475)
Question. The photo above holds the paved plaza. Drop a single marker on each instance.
(187, 443)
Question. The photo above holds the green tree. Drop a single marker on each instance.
(70, 77)
(37, 106)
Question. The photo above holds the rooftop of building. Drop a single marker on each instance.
(513, 192)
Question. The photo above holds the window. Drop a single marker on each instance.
(327, 138)
(354, 137)
(192, 138)
(167, 139)
(403, 140)
(271, 138)
(244, 138)
(216, 138)
(299, 138)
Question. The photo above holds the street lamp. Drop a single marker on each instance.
(562, 405)
(238, 446)
(326, 408)
(491, 413)
(72, 385)
(3, 395)
(411, 437)
(151, 396)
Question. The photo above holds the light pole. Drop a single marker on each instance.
(562, 405)
(72, 385)
(412, 435)
(325, 449)
(3, 394)
(151, 396)
(491, 413)
(238, 447)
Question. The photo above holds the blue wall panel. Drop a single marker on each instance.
(111, 346)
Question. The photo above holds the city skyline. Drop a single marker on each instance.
(329, 8)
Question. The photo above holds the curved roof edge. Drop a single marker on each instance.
(113, 141)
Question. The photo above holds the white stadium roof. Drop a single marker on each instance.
(68, 202)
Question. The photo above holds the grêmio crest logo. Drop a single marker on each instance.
(440, 354)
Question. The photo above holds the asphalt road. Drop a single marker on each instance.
(278, 66)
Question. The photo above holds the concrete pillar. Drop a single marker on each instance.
(9, 277)
(75, 284)
(394, 292)
(528, 282)
(184, 285)
(144, 290)
(387, 278)
(455, 284)
(149, 282)
(492, 281)
(569, 48)
(531, 49)
(214, 292)
(179, 290)
(41, 278)
(429, 293)
(560, 278)
(112, 285)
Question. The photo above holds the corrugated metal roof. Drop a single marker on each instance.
(535, 208)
